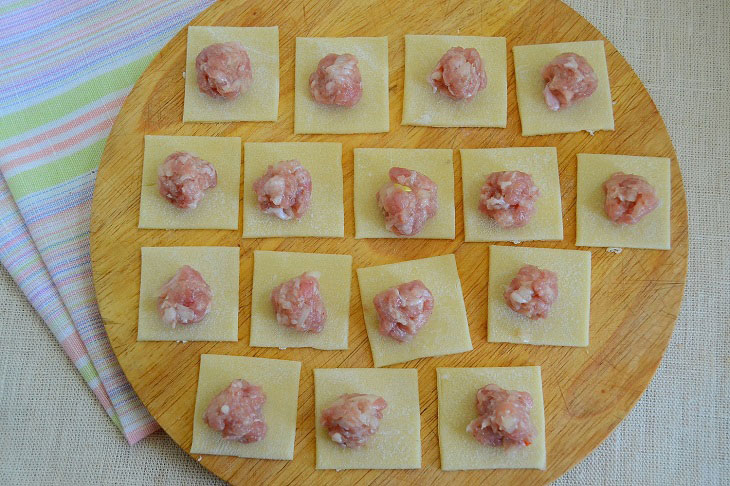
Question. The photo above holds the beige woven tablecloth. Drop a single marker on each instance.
(679, 433)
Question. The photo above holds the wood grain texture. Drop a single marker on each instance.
(635, 295)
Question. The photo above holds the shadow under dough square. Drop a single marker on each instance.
(326, 214)
(446, 331)
(370, 114)
(421, 106)
(568, 319)
(457, 389)
(371, 173)
(261, 101)
(542, 165)
(590, 114)
(593, 228)
(397, 444)
(219, 267)
(280, 382)
(219, 207)
(271, 269)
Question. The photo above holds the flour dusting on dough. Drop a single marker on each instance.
(424, 119)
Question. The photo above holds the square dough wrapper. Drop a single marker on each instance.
(371, 173)
(280, 381)
(567, 322)
(219, 267)
(261, 102)
(272, 268)
(447, 330)
(541, 163)
(219, 207)
(326, 215)
(421, 106)
(457, 389)
(397, 444)
(593, 228)
(590, 114)
(370, 114)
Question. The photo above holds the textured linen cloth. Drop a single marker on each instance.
(51, 432)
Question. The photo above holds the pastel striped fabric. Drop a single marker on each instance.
(65, 70)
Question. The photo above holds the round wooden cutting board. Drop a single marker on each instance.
(635, 296)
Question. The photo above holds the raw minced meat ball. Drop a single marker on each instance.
(298, 303)
(337, 81)
(504, 418)
(408, 201)
(224, 70)
(183, 179)
(185, 299)
(459, 74)
(285, 190)
(404, 309)
(532, 292)
(237, 412)
(628, 198)
(353, 419)
(509, 198)
(568, 79)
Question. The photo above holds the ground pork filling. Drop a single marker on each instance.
(459, 74)
(336, 81)
(237, 412)
(504, 418)
(353, 419)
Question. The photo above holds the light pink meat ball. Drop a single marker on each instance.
(237, 412)
(408, 201)
(183, 179)
(509, 198)
(459, 74)
(184, 299)
(337, 81)
(628, 198)
(532, 292)
(224, 70)
(285, 190)
(298, 303)
(404, 309)
(569, 78)
(353, 419)
(504, 418)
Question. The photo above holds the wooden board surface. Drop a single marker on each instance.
(635, 295)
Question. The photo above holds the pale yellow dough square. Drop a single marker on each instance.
(219, 268)
(370, 114)
(371, 173)
(219, 207)
(542, 165)
(271, 269)
(280, 382)
(447, 330)
(457, 390)
(421, 106)
(397, 444)
(590, 114)
(593, 228)
(326, 215)
(261, 101)
(567, 322)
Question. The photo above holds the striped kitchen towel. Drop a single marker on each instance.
(66, 67)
